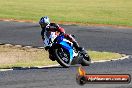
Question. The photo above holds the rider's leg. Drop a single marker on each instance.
(51, 54)
(76, 45)
(72, 39)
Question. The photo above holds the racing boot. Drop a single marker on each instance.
(51, 56)
(76, 45)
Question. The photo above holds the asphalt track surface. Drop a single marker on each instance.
(93, 38)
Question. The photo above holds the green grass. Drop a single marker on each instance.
(115, 12)
(30, 57)
(97, 56)
(23, 57)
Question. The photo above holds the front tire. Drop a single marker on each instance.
(63, 57)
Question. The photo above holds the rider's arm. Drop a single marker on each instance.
(56, 28)
(69, 37)
(42, 33)
(54, 25)
(61, 30)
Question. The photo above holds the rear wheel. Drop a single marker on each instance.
(63, 56)
(86, 60)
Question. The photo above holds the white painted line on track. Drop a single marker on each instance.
(6, 70)
(28, 46)
(18, 45)
(8, 44)
(40, 47)
(39, 67)
(122, 58)
(48, 66)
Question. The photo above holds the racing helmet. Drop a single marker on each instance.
(44, 21)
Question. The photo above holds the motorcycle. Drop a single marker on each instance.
(63, 51)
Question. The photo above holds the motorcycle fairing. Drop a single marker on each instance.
(67, 47)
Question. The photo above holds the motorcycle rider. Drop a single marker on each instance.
(53, 27)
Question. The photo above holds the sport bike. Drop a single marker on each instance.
(62, 50)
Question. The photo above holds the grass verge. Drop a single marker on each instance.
(97, 56)
(12, 56)
(115, 12)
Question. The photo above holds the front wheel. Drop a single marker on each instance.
(63, 56)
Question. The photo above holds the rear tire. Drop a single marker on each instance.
(86, 61)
